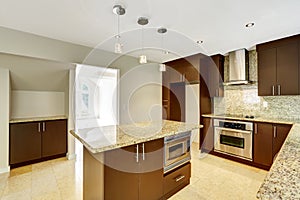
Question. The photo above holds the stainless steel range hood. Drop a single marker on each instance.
(238, 67)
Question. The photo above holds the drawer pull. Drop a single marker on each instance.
(179, 178)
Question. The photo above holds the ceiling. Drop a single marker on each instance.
(220, 24)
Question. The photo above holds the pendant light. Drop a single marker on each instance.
(143, 21)
(162, 31)
(118, 10)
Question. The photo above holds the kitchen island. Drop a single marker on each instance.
(138, 148)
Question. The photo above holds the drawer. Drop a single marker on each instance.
(177, 178)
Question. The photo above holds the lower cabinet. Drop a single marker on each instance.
(176, 180)
(207, 136)
(134, 172)
(268, 139)
(31, 141)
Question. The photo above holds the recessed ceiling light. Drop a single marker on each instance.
(199, 41)
(249, 25)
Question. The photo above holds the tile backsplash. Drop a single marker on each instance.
(245, 100)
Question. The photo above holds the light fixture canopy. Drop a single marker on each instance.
(249, 25)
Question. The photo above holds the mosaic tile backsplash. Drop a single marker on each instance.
(244, 100)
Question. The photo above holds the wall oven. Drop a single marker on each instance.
(177, 150)
(233, 138)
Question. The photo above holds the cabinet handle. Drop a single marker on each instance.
(255, 128)
(273, 90)
(279, 89)
(143, 146)
(39, 127)
(274, 132)
(179, 178)
(44, 127)
(137, 153)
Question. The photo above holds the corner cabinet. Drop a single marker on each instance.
(34, 141)
(268, 139)
(207, 136)
(278, 67)
(134, 172)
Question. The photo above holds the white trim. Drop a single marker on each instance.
(4, 170)
(71, 156)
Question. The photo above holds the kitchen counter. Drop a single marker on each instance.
(35, 119)
(283, 179)
(106, 138)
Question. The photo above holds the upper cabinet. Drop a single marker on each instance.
(212, 72)
(278, 67)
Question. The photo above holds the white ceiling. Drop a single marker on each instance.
(220, 24)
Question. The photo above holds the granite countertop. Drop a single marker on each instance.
(283, 179)
(34, 119)
(106, 138)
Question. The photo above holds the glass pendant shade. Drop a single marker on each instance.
(143, 59)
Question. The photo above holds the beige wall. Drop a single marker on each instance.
(4, 119)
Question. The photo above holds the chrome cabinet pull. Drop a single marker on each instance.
(137, 153)
(143, 146)
(273, 90)
(279, 89)
(179, 178)
(44, 127)
(274, 132)
(39, 127)
(255, 128)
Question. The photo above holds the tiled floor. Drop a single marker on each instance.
(212, 178)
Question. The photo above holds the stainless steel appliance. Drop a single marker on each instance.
(177, 150)
(233, 137)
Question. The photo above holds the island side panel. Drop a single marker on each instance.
(93, 176)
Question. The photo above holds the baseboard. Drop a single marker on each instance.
(71, 156)
(5, 169)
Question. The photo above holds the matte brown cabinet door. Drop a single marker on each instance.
(287, 69)
(267, 72)
(263, 144)
(207, 138)
(278, 67)
(280, 132)
(132, 174)
(25, 142)
(177, 101)
(54, 137)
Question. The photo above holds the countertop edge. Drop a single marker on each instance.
(36, 119)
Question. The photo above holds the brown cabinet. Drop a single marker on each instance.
(268, 139)
(212, 68)
(134, 172)
(31, 141)
(185, 71)
(278, 67)
(207, 136)
(176, 180)
(177, 101)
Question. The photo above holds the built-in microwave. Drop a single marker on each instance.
(177, 150)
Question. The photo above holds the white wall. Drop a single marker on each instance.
(25, 104)
(4, 119)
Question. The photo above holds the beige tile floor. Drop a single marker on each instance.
(212, 178)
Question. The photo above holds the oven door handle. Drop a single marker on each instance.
(233, 130)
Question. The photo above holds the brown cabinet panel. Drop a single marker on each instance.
(177, 180)
(177, 101)
(25, 142)
(125, 177)
(263, 143)
(287, 69)
(280, 132)
(207, 136)
(267, 72)
(54, 137)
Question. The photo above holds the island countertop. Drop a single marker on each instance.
(283, 179)
(106, 138)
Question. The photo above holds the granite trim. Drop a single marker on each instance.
(36, 119)
(107, 138)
